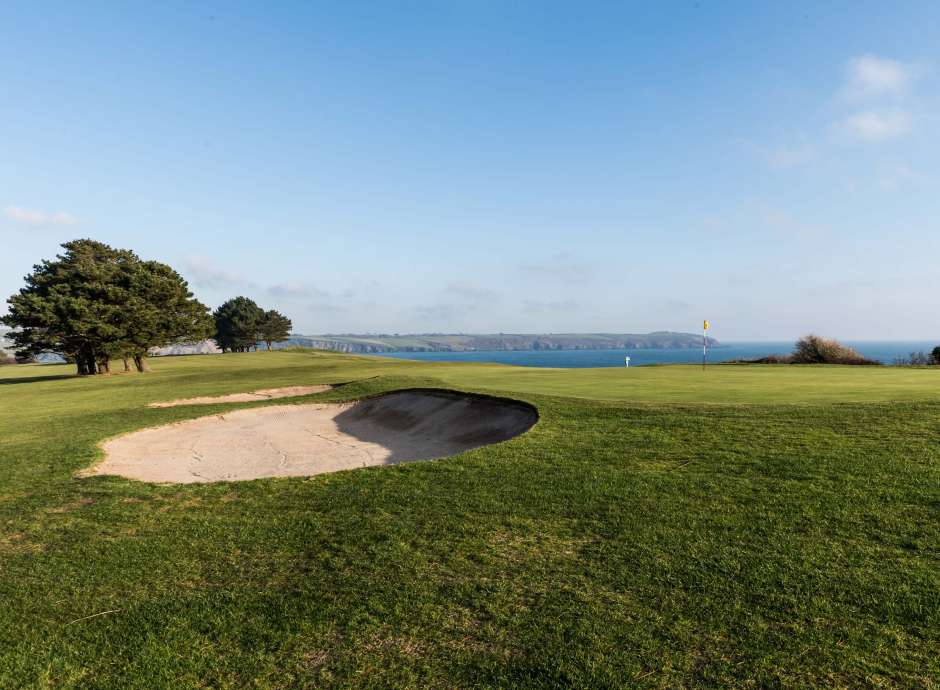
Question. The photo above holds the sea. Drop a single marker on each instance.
(884, 351)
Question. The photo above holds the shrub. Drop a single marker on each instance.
(769, 359)
(919, 359)
(915, 359)
(812, 349)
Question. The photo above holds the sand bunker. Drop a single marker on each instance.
(301, 440)
(266, 394)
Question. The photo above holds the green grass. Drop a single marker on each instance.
(659, 527)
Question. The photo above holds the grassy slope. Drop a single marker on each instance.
(640, 539)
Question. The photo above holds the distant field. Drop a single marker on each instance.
(745, 526)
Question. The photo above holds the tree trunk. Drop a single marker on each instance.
(104, 367)
(140, 362)
(86, 363)
(127, 366)
(268, 343)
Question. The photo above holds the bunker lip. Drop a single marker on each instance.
(253, 396)
(295, 440)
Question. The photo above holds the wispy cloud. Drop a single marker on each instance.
(534, 306)
(295, 288)
(775, 218)
(473, 293)
(874, 126)
(560, 268)
(327, 308)
(673, 305)
(782, 157)
(870, 76)
(882, 83)
(204, 272)
(900, 176)
(437, 313)
(36, 218)
(798, 232)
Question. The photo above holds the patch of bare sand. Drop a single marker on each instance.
(264, 394)
(303, 440)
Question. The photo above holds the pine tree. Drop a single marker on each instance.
(275, 328)
(162, 311)
(73, 305)
(237, 324)
(93, 303)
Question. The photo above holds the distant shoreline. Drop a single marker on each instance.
(883, 351)
(499, 342)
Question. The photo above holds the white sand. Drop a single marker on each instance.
(265, 394)
(302, 440)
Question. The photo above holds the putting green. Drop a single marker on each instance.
(717, 384)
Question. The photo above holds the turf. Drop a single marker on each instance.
(659, 527)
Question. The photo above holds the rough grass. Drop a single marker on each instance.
(785, 534)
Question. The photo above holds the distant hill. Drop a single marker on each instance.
(438, 342)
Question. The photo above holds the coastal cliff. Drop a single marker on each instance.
(438, 342)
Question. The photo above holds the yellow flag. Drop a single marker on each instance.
(706, 325)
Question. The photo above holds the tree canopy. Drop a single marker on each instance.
(93, 303)
(237, 324)
(275, 327)
(240, 324)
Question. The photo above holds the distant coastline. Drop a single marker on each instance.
(499, 342)
(884, 351)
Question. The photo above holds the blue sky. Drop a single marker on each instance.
(484, 166)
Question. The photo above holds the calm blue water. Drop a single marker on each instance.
(577, 359)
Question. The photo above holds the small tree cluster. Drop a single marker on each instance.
(812, 349)
(240, 324)
(919, 359)
(94, 303)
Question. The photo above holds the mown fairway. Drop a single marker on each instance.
(659, 527)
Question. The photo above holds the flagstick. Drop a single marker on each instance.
(704, 343)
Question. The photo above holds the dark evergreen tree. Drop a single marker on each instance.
(94, 302)
(275, 328)
(162, 311)
(237, 325)
(74, 305)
